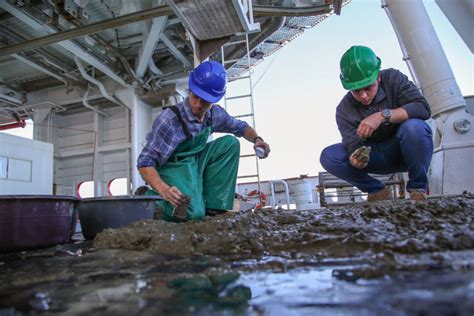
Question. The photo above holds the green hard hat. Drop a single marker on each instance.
(359, 67)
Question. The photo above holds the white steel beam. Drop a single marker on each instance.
(78, 31)
(140, 125)
(149, 44)
(179, 14)
(68, 45)
(174, 50)
(245, 13)
(39, 67)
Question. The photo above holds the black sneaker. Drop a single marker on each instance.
(141, 190)
(214, 212)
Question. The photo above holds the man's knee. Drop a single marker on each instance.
(415, 127)
(230, 142)
(330, 156)
(233, 141)
(324, 158)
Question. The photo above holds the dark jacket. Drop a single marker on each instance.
(395, 90)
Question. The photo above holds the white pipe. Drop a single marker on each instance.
(153, 68)
(137, 126)
(10, 99)
(453, 148)
(6, 114)
(461, 15)
(431, 67)
(287, 192)
(99, 84)
(39, 67)
(57, 107)
(54, 64)
(87, 105)
(406, 57)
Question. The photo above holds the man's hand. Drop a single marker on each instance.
(173, 195)
(369, 125)
(251, 135)
(261, 144)
(360, 157)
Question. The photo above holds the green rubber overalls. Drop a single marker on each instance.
(206, 172)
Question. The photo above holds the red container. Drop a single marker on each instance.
(35, 221)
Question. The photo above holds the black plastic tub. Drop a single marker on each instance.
(35, 221)
(97, 214)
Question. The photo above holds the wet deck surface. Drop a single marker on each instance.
(397, 258)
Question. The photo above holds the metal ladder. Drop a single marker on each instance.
(243, 62)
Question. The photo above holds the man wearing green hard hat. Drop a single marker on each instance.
(382, 123)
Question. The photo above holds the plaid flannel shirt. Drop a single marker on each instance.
(167, 132)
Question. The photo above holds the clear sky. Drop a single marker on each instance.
(296, 98)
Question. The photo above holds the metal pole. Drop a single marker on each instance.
(421, 45)
(251, 103)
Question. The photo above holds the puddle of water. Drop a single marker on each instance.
(303, 291)
(317, 292)
(130, 282)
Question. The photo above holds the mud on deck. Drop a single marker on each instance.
(392, 258)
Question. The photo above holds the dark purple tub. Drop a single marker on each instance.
(99, 213)
(35, 221)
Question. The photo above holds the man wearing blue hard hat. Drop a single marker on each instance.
(178, 162)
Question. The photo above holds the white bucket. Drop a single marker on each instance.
(303, 195)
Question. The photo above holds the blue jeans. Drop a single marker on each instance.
(410, 149)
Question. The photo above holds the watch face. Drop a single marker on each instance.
(386, 113)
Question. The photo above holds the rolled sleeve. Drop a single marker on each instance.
(160, 145)
(417, 110)
(224, 123)
(348, 131)
(145, 160)
(410, 98)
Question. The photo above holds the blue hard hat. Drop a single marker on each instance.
(208, 81)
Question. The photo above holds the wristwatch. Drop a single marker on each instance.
(387, 114)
